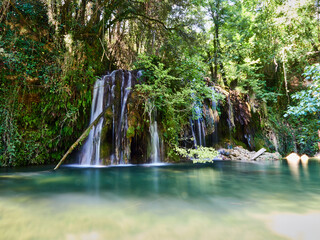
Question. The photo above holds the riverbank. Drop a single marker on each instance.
(240, 154)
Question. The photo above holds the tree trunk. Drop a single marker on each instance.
(215, 60)
(213, 79)
(285, 75)
(4, 9)
(82, 137)
(82, 13)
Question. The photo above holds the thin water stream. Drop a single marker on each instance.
(223, 200)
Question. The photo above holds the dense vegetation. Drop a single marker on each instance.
(52, 51)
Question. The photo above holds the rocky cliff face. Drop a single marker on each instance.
(125, 136)
(130, 135)
(223, 123)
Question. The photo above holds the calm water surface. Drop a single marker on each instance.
(223, 200)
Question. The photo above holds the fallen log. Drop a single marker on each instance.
(83, 135)
(257, 154)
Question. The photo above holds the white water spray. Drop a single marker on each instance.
(155, 142)
(90, 153)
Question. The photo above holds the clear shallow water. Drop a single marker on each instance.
(223, 200)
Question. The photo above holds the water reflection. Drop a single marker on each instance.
(304, 159)
(155, 172)
(191, 181)
(304, 162)
(92, 178)
(293, 160)
(172, 202)
(294, 168)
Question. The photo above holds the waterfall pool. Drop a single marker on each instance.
(223, 200)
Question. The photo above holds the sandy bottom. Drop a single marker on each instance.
(73, 217)
(296, 226)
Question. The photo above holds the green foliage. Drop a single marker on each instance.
(130, 132)
(20, 147)
(45, 93)
(10, 138)
(198, 155)
(51, 52)
(284, 132)
(173, 97)
(305, 113)
(32, 10)
(307, 101)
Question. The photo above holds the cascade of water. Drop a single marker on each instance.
(112, 90)
(90, 153)
(193, 134)
(215, 138)
(121, 150)
(109, 98)
(155, 142)
(155, 154)
(230, 114)
(139, 74)
(198, 126)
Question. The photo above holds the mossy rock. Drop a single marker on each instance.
(260, 142)
(238, 143)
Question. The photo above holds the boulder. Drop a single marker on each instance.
(240, 154)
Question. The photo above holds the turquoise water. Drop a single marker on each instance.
(223, 200)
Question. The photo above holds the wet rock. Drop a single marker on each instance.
(224, 152)
(269, 157)
(240, 154)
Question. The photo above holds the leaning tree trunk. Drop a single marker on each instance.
(82, 137)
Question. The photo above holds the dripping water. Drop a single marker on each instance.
(105, 91)
(215, 138)
(155, 153)
(155, 142)
(120, 127)
(198, 126)
(90, 153)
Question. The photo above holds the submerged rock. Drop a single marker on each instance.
(241, 154)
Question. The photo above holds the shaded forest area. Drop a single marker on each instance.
(52, 51)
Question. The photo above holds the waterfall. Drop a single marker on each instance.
(154, 135)
(120, 147)
(193, 133)
(215, 138)
(155, 151)
(230, 114)
(118, 137)
(113, 91)
(197, 125)
(90, 153)
(120, 144)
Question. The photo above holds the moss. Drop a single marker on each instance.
(238, 143)
(106, 135)
(173, 156)
(105, 150)
(261, 142)
(130, 132)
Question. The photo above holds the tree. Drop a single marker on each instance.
(305, 113)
